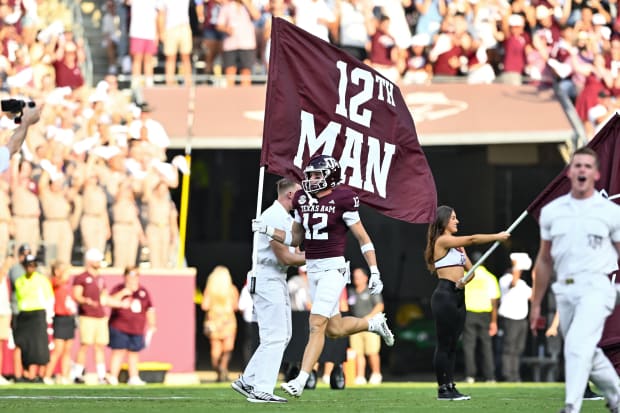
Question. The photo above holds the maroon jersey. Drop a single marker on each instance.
(326, 231)
(442, 66)
(131, 320)
(212, 11)
(514, 56)
(92, 287)
(381, 45)
(68, 76)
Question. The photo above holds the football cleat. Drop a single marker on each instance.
(378, 324)
(293, 388)
(262, 397)
(241, 387)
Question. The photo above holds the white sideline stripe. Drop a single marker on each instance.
(98, 397)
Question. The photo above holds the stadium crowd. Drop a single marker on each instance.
(94, 165)
(574, 45)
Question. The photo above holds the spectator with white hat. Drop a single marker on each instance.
(513, 311)
(418, 69)
(516, 45)
(91, 295)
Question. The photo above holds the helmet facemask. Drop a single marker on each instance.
(327, 167)
(313, 186)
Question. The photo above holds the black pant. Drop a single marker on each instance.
(448, 306)
(477, 332)
(31, 338)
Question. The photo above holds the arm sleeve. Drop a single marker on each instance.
(351, 206)
(351, 217)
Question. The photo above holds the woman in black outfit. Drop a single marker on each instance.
(445, 256)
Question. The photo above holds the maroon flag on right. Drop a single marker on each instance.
(606, 143)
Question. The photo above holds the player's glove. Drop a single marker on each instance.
(375, 285)
(262, 228)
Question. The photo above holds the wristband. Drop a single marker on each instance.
(367, 247)
(288, 237)
(269, 230)
(374, 269)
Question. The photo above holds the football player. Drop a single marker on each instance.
(324, 212)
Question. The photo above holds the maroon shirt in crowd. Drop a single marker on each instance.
(131, 320)
(442, 66)
(68, 76)
(92, 286)
(381, 48)
(514, 55)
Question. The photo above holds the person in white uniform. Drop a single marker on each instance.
(29, 116)
(272, 305)
(580, 242)
(513, 307)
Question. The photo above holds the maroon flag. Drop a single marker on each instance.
(320, 100)
(606, 143)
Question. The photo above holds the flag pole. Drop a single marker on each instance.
(259, 205)
(478, 263)
(191, 107)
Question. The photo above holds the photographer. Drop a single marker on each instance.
(29, 116)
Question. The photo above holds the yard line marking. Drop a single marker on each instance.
(99, 397)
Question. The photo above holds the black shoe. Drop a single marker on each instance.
(336, 379)
(590, 395)
(457, 394)
(449, 392)
(79, 380)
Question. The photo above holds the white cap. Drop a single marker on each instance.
(106, 152)
(599, 19)
(56, 96)
(85, 144)
(93, 255)
(522, 260)
(166, 169)
(516, 20)
(542, 12)
(102, 86)
(583, 35)
(421, 39)
(98, 96)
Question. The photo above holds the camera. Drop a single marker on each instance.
(15, 106)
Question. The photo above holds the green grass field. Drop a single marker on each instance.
(389, 397)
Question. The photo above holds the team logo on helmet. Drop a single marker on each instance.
(329, 170)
